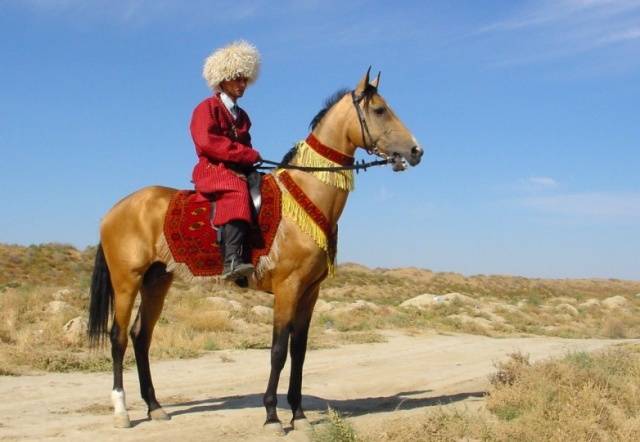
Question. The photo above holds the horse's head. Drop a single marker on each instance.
(377, 128)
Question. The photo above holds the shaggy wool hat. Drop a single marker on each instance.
(238, 59)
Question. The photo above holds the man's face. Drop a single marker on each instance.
(234, 88)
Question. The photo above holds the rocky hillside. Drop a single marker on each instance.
(63, 265)
(389, 285)
(44, 301)
(45, 265)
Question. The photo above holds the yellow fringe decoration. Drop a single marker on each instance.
(343, 180)
(292, 210)
(306, 156)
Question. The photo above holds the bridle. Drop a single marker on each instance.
(371, 147)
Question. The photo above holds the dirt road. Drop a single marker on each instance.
(219, 396)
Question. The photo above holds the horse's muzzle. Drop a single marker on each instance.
(416, 155)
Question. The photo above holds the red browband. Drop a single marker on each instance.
(329, 153)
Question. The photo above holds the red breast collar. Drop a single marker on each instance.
(329, 153)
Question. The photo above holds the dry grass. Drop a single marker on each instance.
(389, 285)
(45, 264)
(582, 397)
(31, 334)
(33, 279)
(439, 425)
(336, 429)
(618, 327)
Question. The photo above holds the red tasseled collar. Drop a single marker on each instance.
(329, 153)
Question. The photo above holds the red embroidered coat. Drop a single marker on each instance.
(223, 146)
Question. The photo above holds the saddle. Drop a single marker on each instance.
(189, 244)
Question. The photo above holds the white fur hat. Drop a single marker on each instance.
(238, 59)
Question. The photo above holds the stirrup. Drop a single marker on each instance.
(238, 271)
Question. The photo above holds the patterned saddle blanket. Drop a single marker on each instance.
(192, 242)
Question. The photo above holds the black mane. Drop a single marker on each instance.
(289, 155)
(328, 104)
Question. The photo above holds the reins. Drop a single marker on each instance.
(357, 166)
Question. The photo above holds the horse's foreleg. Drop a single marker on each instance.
(278, 359)
(154, 288)
(299, 335)
(125, 291)
(283, 309)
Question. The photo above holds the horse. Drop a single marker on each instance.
(128, 261)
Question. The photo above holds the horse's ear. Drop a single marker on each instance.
(375, 83)
(364, 83)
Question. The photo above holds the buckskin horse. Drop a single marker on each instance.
(128, 260)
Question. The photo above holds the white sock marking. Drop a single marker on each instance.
(117, 398)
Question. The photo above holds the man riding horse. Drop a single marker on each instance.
(220, 132)
(132, 259)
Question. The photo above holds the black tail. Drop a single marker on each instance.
(101, 299)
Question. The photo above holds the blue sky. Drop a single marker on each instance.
(527, 110)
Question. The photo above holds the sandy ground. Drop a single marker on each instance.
(219, 396)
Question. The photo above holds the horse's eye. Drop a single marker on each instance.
(379, 110)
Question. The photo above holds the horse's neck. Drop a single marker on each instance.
(333, 132)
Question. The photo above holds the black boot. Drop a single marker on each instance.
(232, 237)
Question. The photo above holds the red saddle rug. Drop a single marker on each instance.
(192, 241)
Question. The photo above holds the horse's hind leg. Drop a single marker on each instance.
(154, 288)
(125, 285)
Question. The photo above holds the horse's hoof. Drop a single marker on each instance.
(301, 424)
(159, 415)
(274, 428)
(121, 420)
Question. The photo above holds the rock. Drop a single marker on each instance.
(481, 322)
(427, 300)
(219, 303)
(61, 294)
(564, 318)
(360, 305)
(615, 302)
(522, 304)
(589, 303)
(364, 305)
(332, 306)
(493, 317)
(239, 324)
(565, 300)
(323, 306)
(75, 330)
(567, 308)
(456, 297)
(222, 315)
(262, 311)
(420, 301)
(55, 307)
(506, 307)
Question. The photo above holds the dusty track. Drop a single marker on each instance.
(219, 396)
